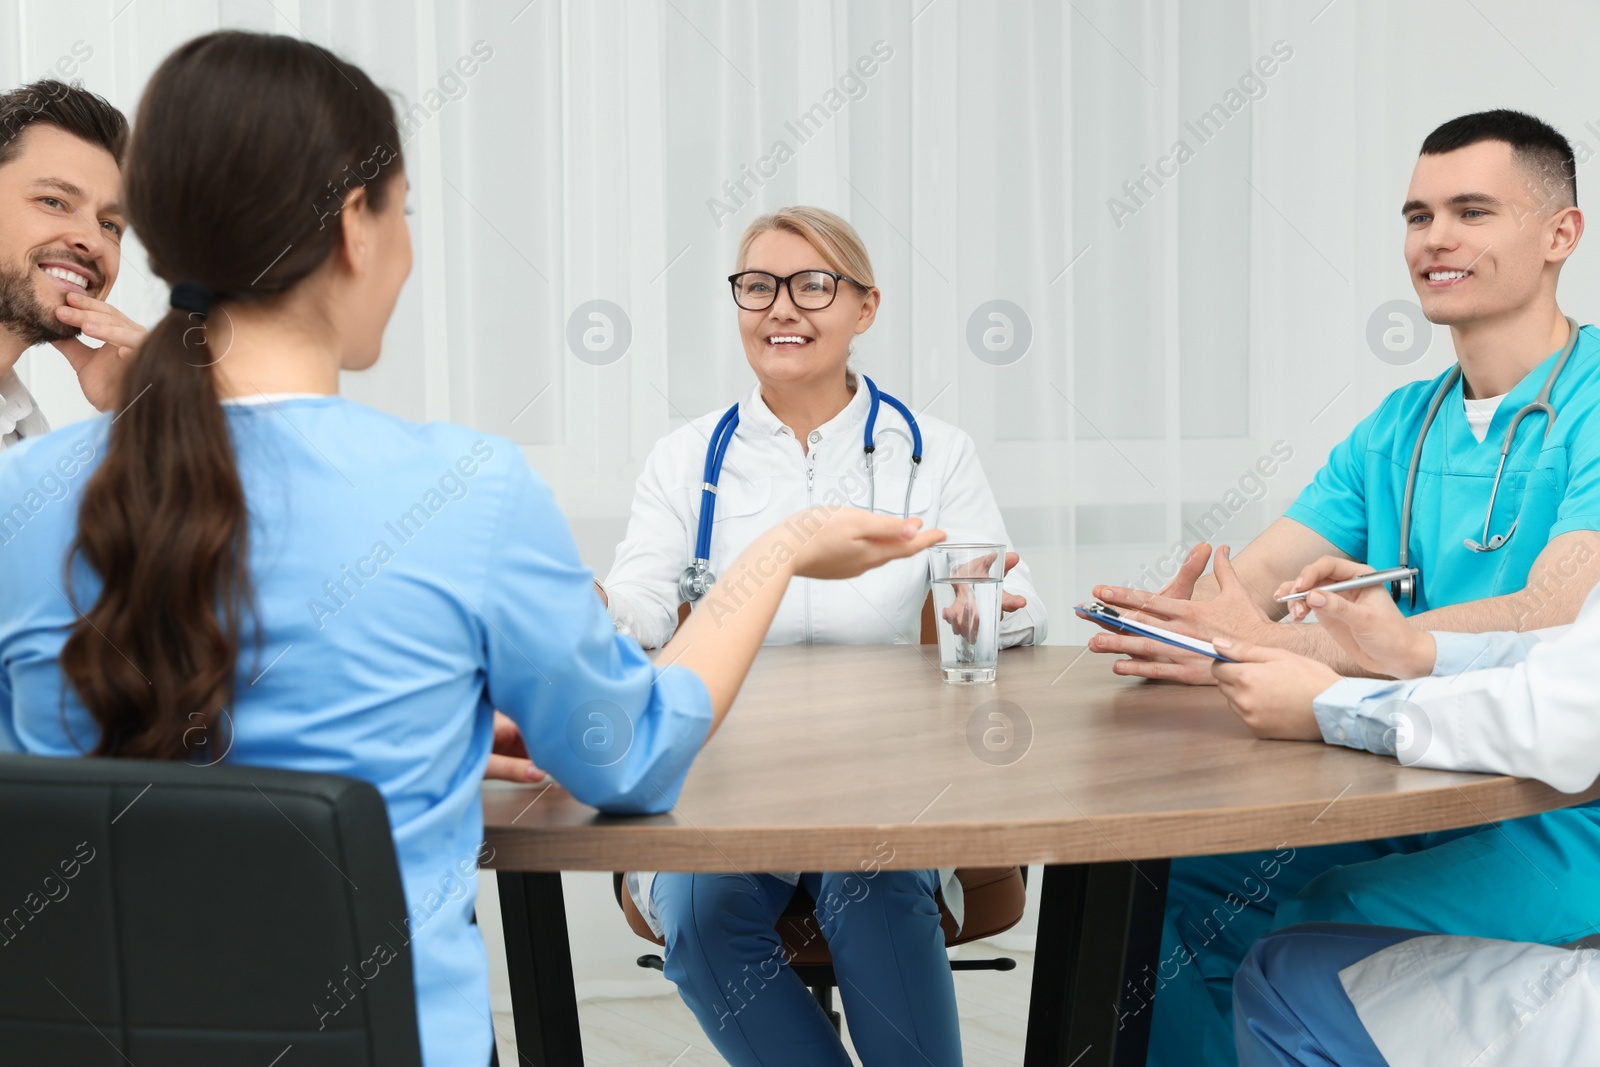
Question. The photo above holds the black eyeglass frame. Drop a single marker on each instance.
(787, 283)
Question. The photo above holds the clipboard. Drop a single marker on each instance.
(1099, 613)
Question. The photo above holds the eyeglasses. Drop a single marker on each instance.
(809, 290)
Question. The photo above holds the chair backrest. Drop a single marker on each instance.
(172, 914)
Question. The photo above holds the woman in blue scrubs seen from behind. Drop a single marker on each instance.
(331, 588)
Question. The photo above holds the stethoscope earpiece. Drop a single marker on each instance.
(1493, 543)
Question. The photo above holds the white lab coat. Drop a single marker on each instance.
(1530, 712)
(1467, 1000)
(766, 478)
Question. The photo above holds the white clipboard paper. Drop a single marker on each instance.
(1099, 613)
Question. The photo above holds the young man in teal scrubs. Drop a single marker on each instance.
(1491, 215)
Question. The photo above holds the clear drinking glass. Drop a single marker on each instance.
(966, 609)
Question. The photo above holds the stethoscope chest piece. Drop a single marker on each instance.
(1404, 592)
(696, 581)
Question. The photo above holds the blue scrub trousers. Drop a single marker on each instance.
(888, 954)
(1528, 879)
(1289, 1008)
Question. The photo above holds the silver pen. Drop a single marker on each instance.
(1393, 574)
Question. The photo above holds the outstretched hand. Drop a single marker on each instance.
(1233, 612)
(840, 542)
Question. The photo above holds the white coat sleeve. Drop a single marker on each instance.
(642, 588)
(1458, 653)
(1467, 1000)
(1531, 719)
(968, 512)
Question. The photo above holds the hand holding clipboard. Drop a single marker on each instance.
(1111, 618)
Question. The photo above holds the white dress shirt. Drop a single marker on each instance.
(19, 416)
(766, 478)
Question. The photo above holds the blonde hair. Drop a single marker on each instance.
(833, 237)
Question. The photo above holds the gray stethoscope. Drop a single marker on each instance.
(697, 579)
(1405, 589)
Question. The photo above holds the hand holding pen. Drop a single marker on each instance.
(1353, 605)
(1372, 577)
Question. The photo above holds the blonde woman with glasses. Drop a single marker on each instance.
(811, 431)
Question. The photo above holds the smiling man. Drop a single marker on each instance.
(61, 227)
(1490, 218)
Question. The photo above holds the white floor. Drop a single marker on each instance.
(659, 1031)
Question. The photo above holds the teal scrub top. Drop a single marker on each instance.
(1551, 485)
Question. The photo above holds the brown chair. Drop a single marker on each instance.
(994, 898)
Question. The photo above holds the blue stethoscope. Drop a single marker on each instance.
(1405, 589)
(697, 578)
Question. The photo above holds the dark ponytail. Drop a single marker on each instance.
(243, 150)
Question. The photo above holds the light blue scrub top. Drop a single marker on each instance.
(1552, 484)
(410, 579)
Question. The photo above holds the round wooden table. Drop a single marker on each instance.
(835, 756)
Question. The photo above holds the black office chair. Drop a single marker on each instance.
(175, 915)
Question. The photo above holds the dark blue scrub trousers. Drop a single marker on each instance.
(1527, 879)
(1289, 1008)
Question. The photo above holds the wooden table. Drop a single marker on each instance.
(833, 753)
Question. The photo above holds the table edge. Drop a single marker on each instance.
(665, 843)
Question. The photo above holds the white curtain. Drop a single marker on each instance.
(1190, 213)
(1192, 314)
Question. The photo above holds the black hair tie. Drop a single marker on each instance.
(192, 297)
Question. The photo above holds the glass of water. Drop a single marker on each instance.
(966, 609)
